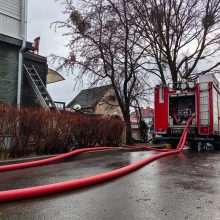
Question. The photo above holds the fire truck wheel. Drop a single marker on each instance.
(193, 145)
(156, 141)
(216, 145)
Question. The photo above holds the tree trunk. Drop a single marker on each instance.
(129, 139)
(174, 79)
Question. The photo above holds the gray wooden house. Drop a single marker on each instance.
(23, 74)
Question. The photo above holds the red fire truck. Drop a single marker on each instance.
(174, 106)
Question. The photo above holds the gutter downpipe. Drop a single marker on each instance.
(24, 40)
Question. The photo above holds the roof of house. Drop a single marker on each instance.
(88, 98)
(148, 112)
(53, 76)
(133, 119)
(145, 112)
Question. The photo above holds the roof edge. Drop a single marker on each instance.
(69, 105)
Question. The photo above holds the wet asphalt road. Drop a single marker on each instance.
(184, 186)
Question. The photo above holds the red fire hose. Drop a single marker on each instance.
(49, 160)
(44, 190)
(182, 139)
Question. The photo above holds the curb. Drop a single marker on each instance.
(78, 156)
(26, 159)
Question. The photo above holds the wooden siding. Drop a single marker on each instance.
(10, 26)
(40, 64)
(8, 72)
(108, 107)
(9, 52)
(14, 41)
(11, 8)
(10, 40)
(10, 18)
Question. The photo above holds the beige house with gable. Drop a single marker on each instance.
(98, 100)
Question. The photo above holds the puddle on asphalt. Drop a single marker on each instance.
(196, 185)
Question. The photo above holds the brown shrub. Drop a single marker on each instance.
(26, 131)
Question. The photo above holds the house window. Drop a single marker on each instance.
(112, 98)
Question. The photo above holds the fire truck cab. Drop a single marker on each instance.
(174, 106)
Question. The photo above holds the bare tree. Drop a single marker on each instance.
(183, 36)
(107, 46)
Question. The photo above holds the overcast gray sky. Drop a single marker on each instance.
(41, 13)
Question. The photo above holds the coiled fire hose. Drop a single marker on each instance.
(31, 192)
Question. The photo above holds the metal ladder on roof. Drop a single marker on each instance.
(39, 88)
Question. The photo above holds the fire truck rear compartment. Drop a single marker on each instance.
(181, 107)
